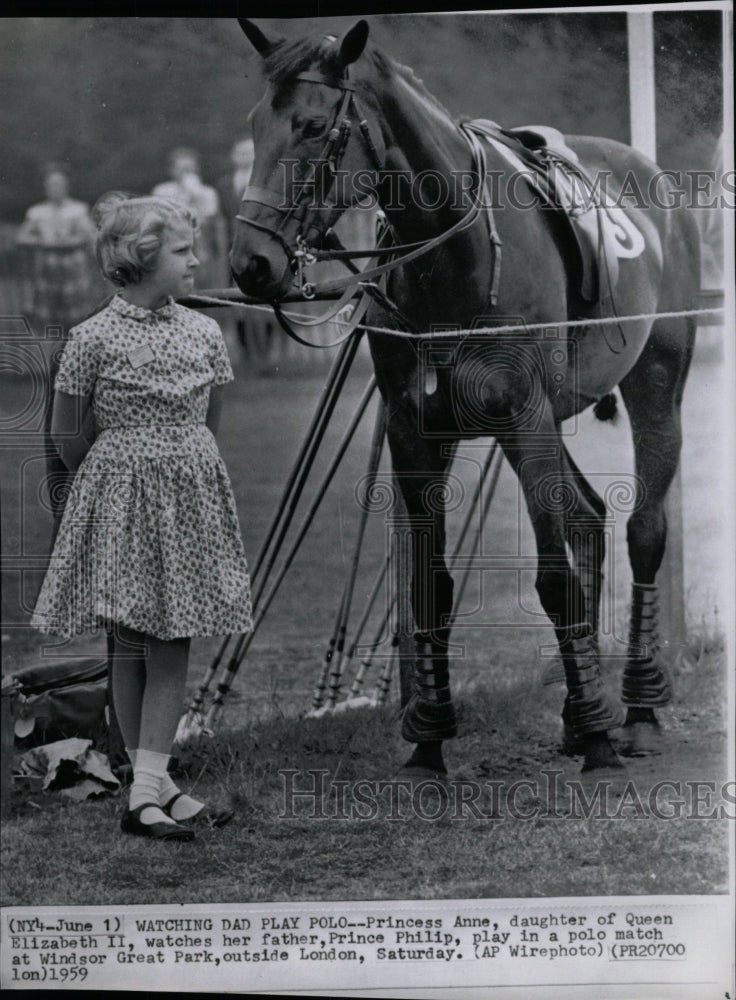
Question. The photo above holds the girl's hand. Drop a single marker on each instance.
(68, 431)
(215, 408)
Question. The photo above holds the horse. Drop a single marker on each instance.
(343, 110)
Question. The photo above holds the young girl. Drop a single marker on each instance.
(150, 542)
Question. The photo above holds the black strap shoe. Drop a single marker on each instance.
(131, 823)
(205, 816)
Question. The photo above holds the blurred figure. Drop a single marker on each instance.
(61, 232)
(187, 187)
(231, 187)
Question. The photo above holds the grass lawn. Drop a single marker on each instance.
(509, 722)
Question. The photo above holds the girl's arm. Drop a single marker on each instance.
(215, 408)
(68, 428)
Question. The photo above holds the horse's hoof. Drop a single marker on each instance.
(641, 739)
(572, 745)
(611, 779)
(600, 755)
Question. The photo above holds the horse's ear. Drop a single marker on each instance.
(353, 43)
(258, 39)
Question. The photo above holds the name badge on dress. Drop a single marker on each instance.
(141, 356)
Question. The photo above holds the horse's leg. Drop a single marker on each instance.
(652, 393)
(584, 531)
(537, 458)
(429, 716)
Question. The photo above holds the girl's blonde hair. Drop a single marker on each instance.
(131, 233)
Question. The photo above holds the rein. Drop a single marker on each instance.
(302, 254)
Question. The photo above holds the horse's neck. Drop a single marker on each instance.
(452, 280)
(421, 140)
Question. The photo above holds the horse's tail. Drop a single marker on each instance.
(607, 407)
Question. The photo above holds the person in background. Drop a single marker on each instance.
(60, 234)
(186, 187)
(231, 188)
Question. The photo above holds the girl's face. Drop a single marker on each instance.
(176, 263)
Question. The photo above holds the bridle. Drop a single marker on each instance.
(328, 162)
(302, 254)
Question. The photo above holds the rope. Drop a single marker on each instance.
(507, 328)
(200, 301)
(525, 327)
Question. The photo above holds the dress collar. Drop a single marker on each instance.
(124, 308)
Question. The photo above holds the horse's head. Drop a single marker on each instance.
(311, 138)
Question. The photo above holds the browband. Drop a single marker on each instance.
(328, 81)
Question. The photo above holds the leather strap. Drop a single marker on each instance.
(327, 81)
(264, 196)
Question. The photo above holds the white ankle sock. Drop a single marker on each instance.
(185, 806)
(148, 772)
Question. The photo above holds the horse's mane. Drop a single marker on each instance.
(290, 58)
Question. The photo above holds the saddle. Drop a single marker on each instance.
(554, 172)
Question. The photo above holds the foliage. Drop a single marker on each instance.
(109, 97)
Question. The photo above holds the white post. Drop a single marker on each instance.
(642, 113)
(642, 108)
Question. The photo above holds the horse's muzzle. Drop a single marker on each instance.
(262, 272)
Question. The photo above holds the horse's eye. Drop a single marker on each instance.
(313, 129)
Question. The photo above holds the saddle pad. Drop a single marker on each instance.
(553, 170)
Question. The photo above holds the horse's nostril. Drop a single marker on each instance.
(252, 273)
(258, 270)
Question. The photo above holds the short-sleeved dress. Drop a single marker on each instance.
(150, 536)
(62, 238)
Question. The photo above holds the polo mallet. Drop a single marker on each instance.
(383, 684)
(245, 641)
(305, 459)
(494, 452)
(319, 692)
(191, 723)
(339, 660)
(354, 699)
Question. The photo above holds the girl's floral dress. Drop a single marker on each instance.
(150, 536)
